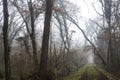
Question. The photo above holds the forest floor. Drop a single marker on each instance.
(91, 72)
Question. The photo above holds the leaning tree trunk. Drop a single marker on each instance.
(5, 39)
(45, 41)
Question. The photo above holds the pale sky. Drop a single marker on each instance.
(86, 8)
(86, 12)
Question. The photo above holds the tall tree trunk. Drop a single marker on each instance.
(32, 35)
(45, 41)
(5, 39)
(108, 14)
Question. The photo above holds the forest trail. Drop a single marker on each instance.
(91, 72)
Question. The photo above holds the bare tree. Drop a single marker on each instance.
(5, 38)
(45, 41)
(32, 35)
(29, 16)
(96, 52)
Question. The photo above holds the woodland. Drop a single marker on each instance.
(41, 40)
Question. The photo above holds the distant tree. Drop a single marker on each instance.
(32, 35)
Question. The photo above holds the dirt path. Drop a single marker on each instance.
(84, 76)
(92, 73)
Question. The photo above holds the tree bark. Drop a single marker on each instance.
(5, 39)
(45, 41)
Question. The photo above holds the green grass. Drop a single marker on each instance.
(110, 76)
(2, 71)
(92, 73)
(76, 75)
